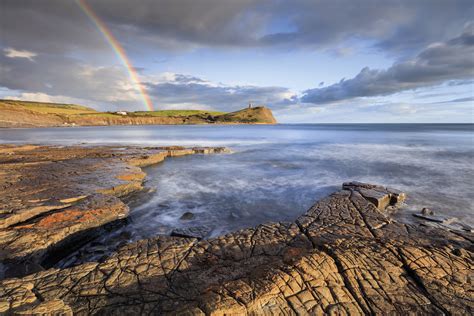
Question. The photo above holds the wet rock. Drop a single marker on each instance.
(427, 211)
(234, 215)
(438, 219)
(198, 232)
(187, 216)
(211, 150)
(465, 227)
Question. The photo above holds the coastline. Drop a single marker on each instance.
(345, 254)
(39, 115)
(167, 124)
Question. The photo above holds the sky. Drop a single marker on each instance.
(310, 61)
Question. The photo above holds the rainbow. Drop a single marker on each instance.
(119, 51)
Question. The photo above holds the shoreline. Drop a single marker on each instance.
(345, 254)
(85, 187)
(167, 124)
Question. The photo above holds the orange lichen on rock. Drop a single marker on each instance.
(65, 218)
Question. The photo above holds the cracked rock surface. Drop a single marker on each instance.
(343, 256)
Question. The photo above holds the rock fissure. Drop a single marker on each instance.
(340, 268)
(419, 283)
(362, 216)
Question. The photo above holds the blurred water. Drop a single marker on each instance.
(277, 172)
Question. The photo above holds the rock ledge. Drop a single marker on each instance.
(343, 256)
(54, 199)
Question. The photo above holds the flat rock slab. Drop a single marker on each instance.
(343, 256)
(52, 197)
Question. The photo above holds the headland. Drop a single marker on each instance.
(36, 114)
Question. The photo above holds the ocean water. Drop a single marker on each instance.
(276, 173)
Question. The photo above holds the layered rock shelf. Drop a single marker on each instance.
(345, 255)
(53, 199)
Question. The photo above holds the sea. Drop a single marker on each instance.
(276, 172)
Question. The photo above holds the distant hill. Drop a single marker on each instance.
(15, 113)
(255, 115)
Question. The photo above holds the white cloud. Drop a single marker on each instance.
(43, 97)
(169, 90)
(14, 53)
(438, 63)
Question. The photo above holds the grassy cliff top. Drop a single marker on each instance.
(73, 109)
(48, 108)
(176, 113)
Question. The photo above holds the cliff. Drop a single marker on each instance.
(256, 115)
(35, 114)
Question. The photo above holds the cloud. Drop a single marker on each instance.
(437, 63)
(13, 53)
(459, 100)
(54, 78)
(67, 76)
(42, 97)
(179, 90)
(57, 25)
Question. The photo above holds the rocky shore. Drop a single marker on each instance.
(345, 255)
(53, 199)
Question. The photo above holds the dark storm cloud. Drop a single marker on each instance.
(191, 90)
(439, 62)
(57, 25)
(52, 26)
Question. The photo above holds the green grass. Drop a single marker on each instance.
(49, 108)
(72, 109)
(167, 113)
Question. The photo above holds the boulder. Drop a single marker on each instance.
(187, 216)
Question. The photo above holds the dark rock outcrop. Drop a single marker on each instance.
(198, 232)
(343, 256)
(187, 216)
